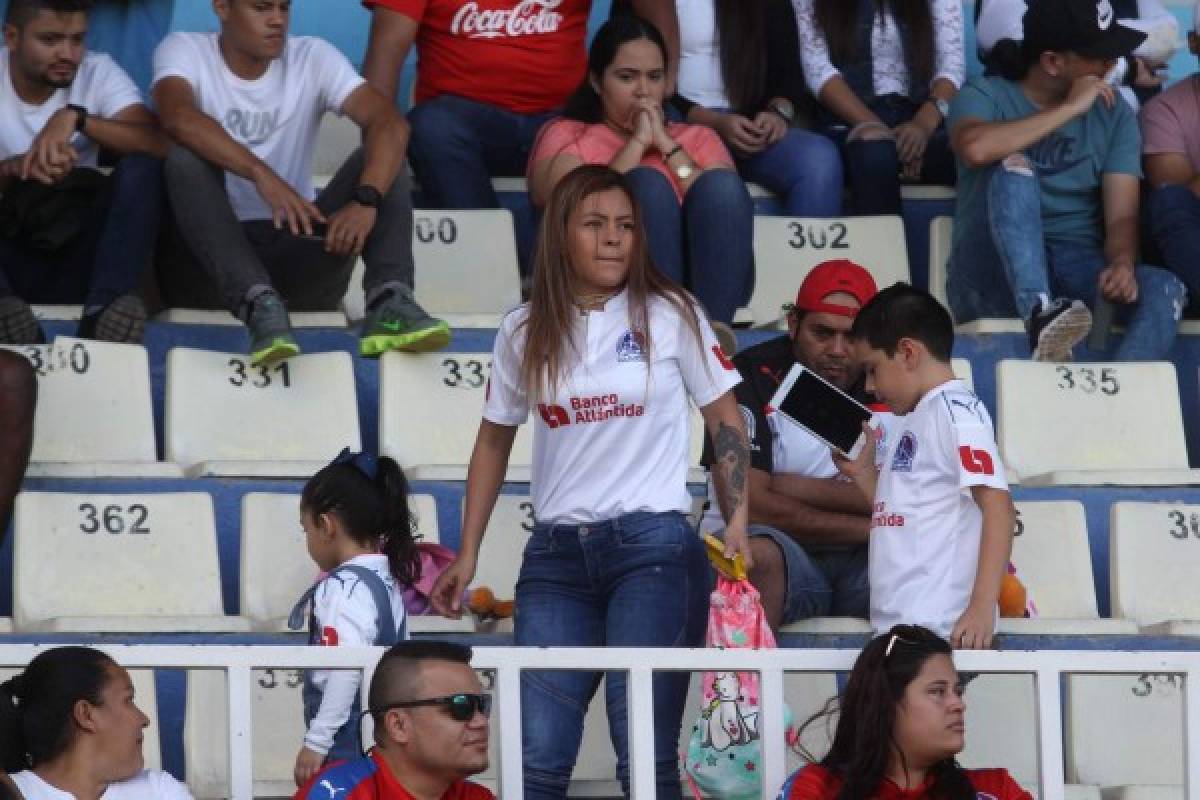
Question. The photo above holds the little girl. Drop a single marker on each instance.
(359, 531)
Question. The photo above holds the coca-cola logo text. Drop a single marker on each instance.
(527, 18)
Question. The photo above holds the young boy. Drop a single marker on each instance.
(942, 527)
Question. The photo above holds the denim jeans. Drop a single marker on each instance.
(1001, 264)
(705, 244)
(804, 169)
(639, 580)
(111, 253)
(1173, 216)
(821, 582)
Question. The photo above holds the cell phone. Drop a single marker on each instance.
(823, 410)
(319, 229)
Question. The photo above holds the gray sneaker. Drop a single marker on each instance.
(122, 320)
(395, 321)
(18, 325)
(1056, 327)
(271, 338)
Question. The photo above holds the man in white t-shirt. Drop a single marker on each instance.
(69, 234)
(809, 526)
(244, 106)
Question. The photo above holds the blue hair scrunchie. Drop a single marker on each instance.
(364, 462)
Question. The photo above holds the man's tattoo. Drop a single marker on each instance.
(733, 460)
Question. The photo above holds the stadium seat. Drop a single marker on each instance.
(1002, 725)
(962, 371)
(71, 313)
(429, 412)
(226, 418)
(1124, 731)
(1154, 558)
(786, 248)
(941, 230)
(117, 563)
(1051, 554)
(502, 550)
(337, 138)
(298, 319)
(1091, 424)
(94, 416)
(466, 267)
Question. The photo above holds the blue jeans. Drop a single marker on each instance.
(640, 580)
(804, 169)
(108, 258)
(705, 244)
(821, 583)
(1001, 264)
(1173, 215)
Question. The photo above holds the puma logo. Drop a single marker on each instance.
(329, 787)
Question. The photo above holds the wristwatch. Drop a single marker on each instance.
(367, 195)
(81, 115)
(784, 108)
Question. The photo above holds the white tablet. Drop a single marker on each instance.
(823, 410)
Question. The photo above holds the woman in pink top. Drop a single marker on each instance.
(698, 214)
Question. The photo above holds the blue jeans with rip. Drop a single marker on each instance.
(804, 168)
(639, 580)
(705, 243)
(1002, 264)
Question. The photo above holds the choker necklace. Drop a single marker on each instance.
(592, 302)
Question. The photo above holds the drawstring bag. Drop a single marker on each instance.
(723, 755)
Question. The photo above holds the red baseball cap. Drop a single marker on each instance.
(840, 275)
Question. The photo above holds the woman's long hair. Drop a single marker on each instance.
(742, 42)
(838, 20)
(864, 740)
(549, 345)
(585, 103)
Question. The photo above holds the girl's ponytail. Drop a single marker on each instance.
(14, 755)
(399, 525)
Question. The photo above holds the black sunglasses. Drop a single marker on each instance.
(462, 707)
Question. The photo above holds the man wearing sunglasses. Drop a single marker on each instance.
(431, 731)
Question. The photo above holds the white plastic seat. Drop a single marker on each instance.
(1144, 792)
(1124, 730)
(502, 549)
(787, 248)
(337, 138)
(298, 319)
(941, 230)
(117, 563)
(1154, 552)
(1054, 563)
(429, 411)
(962, 371)
(1002, 725)
(226, 418)
(1091, 424)
(94, 416)
(69, 313)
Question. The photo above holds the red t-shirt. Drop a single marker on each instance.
(369, 778)
(523, 55)
(814, 782)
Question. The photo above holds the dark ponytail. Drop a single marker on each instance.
(370, 497)
(37, 706)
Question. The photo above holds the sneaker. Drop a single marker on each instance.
(1054, 329)
(395, 321)
(271, 339)
(18, 325)
(122, 320)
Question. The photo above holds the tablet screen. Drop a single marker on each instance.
(825, 410)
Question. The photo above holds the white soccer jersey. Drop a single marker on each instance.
(613, 437)
(275, 116)
(926, 527)
(149, 784)
(346, 616)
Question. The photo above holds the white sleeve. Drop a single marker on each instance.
(333, 73)
(814, 51)
(506, 402)
(165, 786)
(949, 50)
(112, 91)
(707, 371)
(175, 58)
(346, 614)
(970, 434)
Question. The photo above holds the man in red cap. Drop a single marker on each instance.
(809, 528)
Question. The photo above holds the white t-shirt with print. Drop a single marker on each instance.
(925, 525)
(346, 616)
(613, 437)
(149, 784)
(100, 86)
(276, 116)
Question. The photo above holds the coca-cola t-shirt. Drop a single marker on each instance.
(526, 56)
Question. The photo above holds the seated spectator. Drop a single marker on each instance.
(1046, 221)
(809, 528)
(69, 234)
(1138, 77)
(487, 80)
(739, 74)
(69, 727)
(18, 396)
(1171, 155)
(431, 730)
(244, 106)
(900, 723)
(884, 81)
(698, 214)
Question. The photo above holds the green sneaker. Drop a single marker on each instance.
(271, 339)
(395, 321)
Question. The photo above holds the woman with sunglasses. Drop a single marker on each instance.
(607, 353)
(901, 722)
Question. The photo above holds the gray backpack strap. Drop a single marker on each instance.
(388, 633)
(296, 619)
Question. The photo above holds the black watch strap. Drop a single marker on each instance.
(367, 195)
(81, 115)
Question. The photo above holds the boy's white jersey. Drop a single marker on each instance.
(925, 525)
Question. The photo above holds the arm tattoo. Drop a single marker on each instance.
(733, 461)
